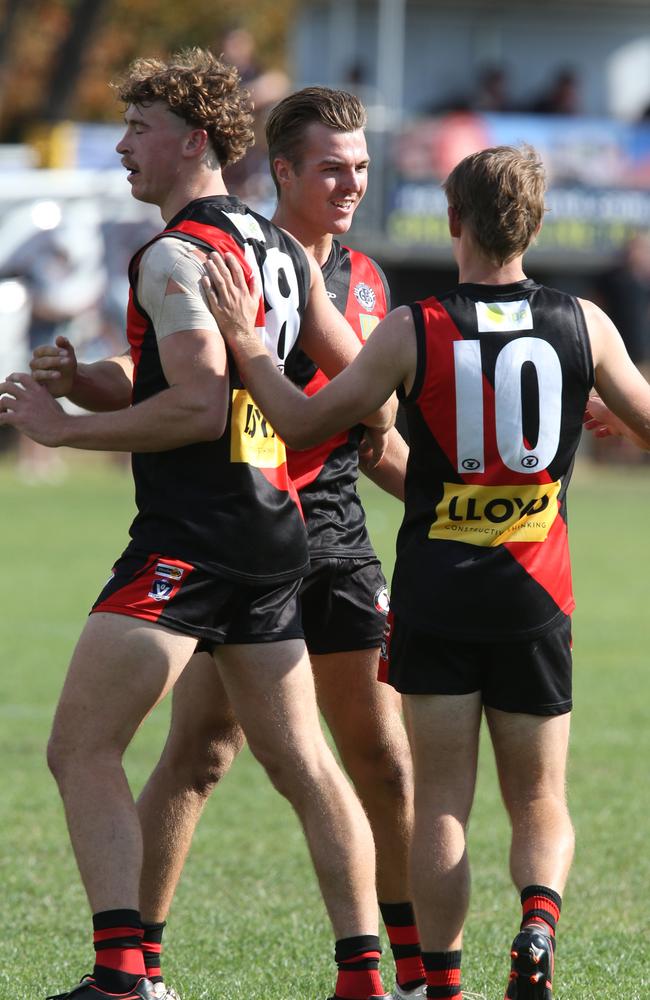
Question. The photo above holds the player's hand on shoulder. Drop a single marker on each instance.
(234, 304)
(55, 366)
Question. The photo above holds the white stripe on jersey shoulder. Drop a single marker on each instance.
(247, 225)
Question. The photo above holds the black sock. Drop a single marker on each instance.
(152, 950)
(117, 935)
(443, 974)
(399, 921)
(541, 905)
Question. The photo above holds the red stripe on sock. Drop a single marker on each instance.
(151, 948)
(117, 932)
(403, 935)
(129, 960)
(359, 985)
(409, 970)
(541, 903)
(443, 977)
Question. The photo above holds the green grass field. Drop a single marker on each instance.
(247, 921)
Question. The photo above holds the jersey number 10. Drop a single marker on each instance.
(508, 405)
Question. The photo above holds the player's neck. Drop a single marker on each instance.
(479, 271)
(206, 184)
(319, 245)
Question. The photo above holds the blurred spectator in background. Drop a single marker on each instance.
(492, 90)
(62, 270)
(490, 93)
(562, 96)
(249, 178)
(623, 292)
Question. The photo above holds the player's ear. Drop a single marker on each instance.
(453, 215)
(283, 170)
(196, 142)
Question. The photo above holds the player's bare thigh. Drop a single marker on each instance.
(530, 752)
(121, 668)
(271, 689)
(203, 723)
(364, 714)
(444, 736)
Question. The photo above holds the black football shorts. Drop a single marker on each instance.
(531, 676)
(344, 603)
(187, 599)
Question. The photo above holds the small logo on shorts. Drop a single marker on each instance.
(385, 642)
(382, 601)
(161, 590)
(365, 296)
(168, 572)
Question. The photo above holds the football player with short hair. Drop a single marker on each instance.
(319, 162)
(495, 376)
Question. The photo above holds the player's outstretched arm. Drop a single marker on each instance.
(386, 360)
(100, 386)
(621, 386)
(602, 423)
(192, 409)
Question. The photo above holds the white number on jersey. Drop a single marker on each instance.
(513, 451)
(282, 297)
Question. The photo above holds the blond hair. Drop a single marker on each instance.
(499, 194)
(288, 121)
(203, 91)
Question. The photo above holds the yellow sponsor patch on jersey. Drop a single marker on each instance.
(492, 515)
(252, 439)
(367, 324)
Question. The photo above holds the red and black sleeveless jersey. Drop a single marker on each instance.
(326, 476)
(227, 505)
(494, 417)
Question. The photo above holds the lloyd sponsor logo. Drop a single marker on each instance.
(252, 439)
(492, 515)
(161, 590)
(497, 317)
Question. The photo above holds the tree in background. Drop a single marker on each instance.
(56, 56)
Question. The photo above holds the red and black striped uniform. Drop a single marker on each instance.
(228, 505)
(494, 418)
(326, 475)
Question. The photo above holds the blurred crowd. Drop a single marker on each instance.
(65, 270)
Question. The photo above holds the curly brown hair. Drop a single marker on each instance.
(203, 91)
(499, 194)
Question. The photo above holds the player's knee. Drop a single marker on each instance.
(201, 763)
(69, 755)
(375, 765)
(538, 804)
(294, 771)
(55, 757)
